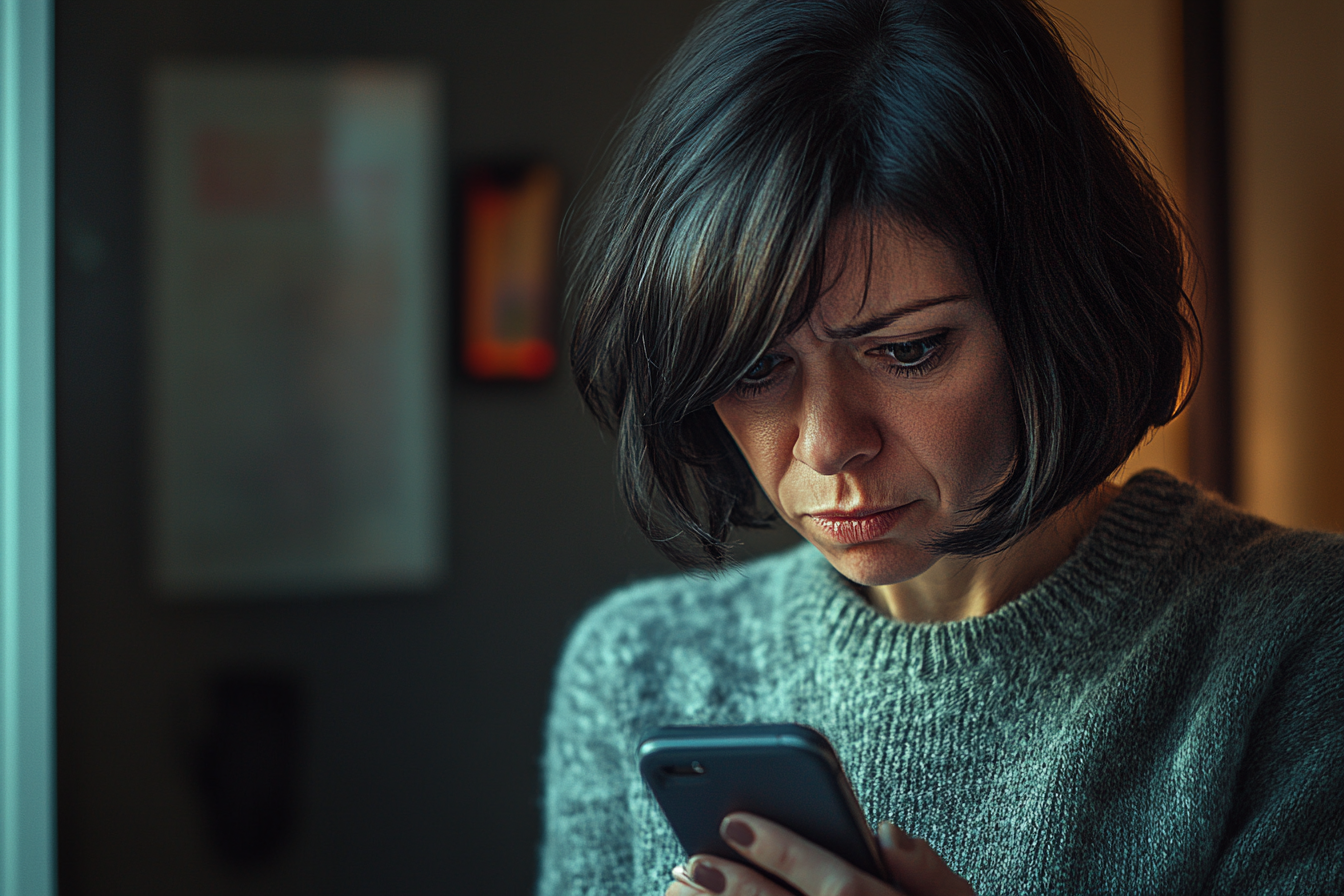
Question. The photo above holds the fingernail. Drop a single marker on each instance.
(707, 877)
(738, 832)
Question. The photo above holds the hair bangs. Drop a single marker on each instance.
(725, 275)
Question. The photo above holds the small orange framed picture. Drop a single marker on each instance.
(510, 227)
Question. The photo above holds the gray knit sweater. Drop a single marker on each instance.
(1163, 714)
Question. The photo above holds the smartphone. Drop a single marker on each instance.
(786, 773)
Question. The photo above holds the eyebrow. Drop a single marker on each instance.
(880, 321)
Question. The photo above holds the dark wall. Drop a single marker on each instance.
(409, 725)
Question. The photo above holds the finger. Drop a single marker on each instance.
(808, 867)
(712, 879)
(710, 874)
(915, 867)
(677, 888)
(682, 884)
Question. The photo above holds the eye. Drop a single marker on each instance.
(764, 366)
(908, 352)
(760, 373)
(914, 356)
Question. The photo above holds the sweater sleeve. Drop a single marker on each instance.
(586, 768)
(1287, 826)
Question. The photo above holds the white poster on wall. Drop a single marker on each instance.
(294, 381)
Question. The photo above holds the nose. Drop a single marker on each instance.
(836, 428)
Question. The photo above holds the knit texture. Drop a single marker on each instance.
(1163, 714)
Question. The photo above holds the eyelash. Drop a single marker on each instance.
(933, 353)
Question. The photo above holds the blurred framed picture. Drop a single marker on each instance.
(295, 414)
(510, 223)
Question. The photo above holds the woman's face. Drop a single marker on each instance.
(876, 424)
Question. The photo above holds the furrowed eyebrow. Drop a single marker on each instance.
(878, 322)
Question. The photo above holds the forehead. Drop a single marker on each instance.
(879, 265)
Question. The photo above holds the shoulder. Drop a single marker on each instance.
(1255, 577)
(1261, 557)
(634, 626)
(1207, 537)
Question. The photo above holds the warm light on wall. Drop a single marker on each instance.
(1135, 60)
(1287, 182)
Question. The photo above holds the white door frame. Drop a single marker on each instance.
(27, 657)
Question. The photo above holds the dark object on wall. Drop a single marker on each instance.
(510, 220)
(1211, 412)
(249, 765)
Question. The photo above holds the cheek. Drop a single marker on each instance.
(981, 434)
(963, 437)
(761, 439)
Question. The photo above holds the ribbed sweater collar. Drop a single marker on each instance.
(1100, 587)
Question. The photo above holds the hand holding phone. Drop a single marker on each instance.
(787, 774)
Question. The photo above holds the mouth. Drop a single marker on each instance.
(857, 526)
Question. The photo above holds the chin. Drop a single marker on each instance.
(878, 563)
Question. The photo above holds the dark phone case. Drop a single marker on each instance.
(786, 773)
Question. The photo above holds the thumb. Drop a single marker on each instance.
(915, 867)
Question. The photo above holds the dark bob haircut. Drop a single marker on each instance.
(964, 119)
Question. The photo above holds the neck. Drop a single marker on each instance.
(963, 587)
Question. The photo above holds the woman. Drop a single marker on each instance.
(891, 265)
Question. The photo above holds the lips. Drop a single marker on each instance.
(856, 527)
